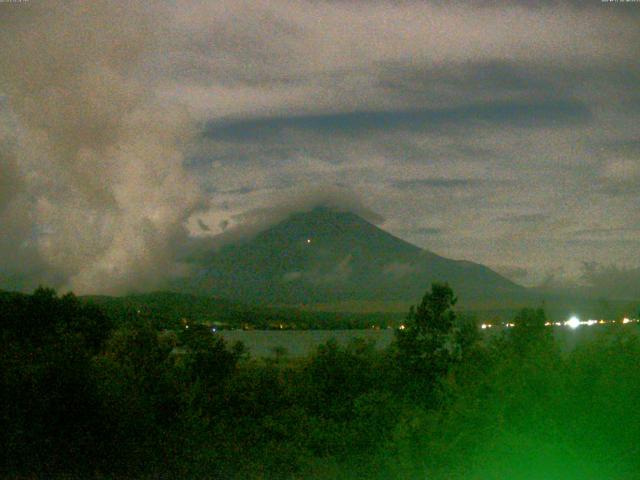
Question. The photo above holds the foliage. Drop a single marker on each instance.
(426, 347)
(530, 331)
(82, 398)
(48, 399)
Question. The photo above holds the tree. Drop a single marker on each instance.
(139, 400)
(530, 331)
(207, 358)
(49, 413)
(426, 345)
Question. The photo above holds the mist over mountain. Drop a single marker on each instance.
(327, 255)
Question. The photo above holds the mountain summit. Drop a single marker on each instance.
(327, 255)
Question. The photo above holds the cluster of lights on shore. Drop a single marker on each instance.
(573, 323)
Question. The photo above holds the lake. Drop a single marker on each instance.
(297, 343)
(261, 343)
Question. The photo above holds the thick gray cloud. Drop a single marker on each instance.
(502, 132)
(93, 191)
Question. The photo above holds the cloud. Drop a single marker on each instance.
(122, 127)
(438, 183)
(512, 272)
(399, 270)
(261, 59)
(96, 193)
(612, 281)
(428, 231)
(203, 226)
(238, 226)
(524, 218)
(512, 113)
(620, 176)
(339, 273)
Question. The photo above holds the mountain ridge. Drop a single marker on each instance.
(327, 255)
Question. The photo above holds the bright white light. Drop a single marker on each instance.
(308, 240)
(483, 326)
(625, 320)
(573, 322)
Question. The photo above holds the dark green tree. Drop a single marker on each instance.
(427, 346)
(207, 359)
(530, 332)
(467, 334)
(49, 410)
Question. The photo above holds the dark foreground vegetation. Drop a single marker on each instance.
(84, 394)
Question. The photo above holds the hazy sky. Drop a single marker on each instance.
(502, 132)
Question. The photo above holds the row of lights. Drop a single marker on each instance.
(573, 323)
(484, 326)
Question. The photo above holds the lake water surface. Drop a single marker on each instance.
(262, 343)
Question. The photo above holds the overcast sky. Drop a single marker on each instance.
(502, 132)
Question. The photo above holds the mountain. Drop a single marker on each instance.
(327, 256)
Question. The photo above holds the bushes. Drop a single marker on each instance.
(49, 415)
(81, 399)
